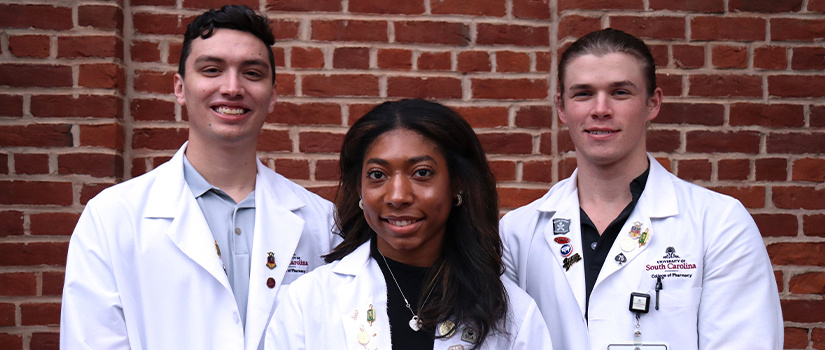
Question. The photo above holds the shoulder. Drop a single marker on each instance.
(520, 303)
(281, 183)
(321, 280)
(697, 197)
(127, 193)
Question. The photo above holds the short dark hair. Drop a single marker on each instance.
(470, 290)
(237, 17)
(606, 41)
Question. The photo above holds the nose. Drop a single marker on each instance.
(399, 192)
(601, 106)
(232, 85)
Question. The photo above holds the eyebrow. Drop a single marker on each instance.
(617, 84)
(413, 160)
(215, 59)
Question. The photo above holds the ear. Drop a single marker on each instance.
(179, 93)
(655, 104)
(273, 98)
(560, 108)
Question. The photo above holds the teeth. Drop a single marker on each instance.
(600, 132)
(401, 223)
(229, 111)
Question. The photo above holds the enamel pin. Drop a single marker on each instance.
(621, 259)
(370, 315)
(569, 261)
(644, 238)
(561, 226)
(270, 260)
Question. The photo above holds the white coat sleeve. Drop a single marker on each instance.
(286, 327)
(739, 306)
(532, 334)
(509, 253)
(91, 313)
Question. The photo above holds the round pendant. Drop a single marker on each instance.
(628, 244)
(414, 324)
(363, 338)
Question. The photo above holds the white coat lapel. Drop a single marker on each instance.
(367, 288)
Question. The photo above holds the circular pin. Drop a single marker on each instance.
(566, 250)
(363, 337)
(270, 282)
(628, 244)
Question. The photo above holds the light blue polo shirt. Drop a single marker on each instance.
(232, 225)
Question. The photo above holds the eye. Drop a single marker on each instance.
(253, 75)
(211, 71)
(423, 173)
(580, 94)
(375, 175)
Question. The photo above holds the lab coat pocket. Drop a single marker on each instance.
(676, 317)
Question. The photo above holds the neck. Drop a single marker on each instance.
(604, 190)
(232, 169)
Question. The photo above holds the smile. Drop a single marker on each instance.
(402, 223)
(230, 111)
(599, 132)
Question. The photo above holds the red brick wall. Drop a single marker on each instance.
(85, 102)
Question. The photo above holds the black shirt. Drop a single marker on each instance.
(411, 279)
(595, 247)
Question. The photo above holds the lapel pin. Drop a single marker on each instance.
(621, 259)
(270, 260)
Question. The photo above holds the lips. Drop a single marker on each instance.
(600, 132)
(402, 222)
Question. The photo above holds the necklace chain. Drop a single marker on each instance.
(407, 303)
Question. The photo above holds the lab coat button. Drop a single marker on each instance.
(237, 230)
(270, 282)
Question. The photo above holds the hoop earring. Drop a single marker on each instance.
(459, 200)
(361, 203)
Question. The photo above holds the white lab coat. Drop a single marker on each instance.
(730, 300)
(326, 309)
(143, 271)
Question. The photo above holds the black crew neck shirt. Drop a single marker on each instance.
(595, 247)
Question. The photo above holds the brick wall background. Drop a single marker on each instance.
(85, 102)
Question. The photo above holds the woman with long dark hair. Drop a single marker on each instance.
(420, 264)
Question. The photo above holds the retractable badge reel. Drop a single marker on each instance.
(639, 304)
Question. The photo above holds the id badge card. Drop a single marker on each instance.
(638, 346)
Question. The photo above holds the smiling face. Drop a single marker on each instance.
(405, 186)
(227, 90)
(606, 109)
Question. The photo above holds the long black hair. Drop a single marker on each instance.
(468, 290)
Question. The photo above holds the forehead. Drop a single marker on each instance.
(613, 67)
(229, 45)
(402, 143)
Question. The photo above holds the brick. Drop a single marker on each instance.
(765, 6)
(691, 113)
(689, 56)
(512, 62)
(770, 57)
(4, 163)
(40, 314)
(320, 142)
(576, 26)
(808, 58)
(660, 56)
(31, 164)
(487, 8)
(728, 28)
(84, 106)
(12, 223)
(796, 143)
(144, 51)
(167, 3)
(102, 135)
(307, 57)
(159, 138)
(473, 61)
(274, 141)
(356, 111)
(650, 27)
(210, 4)
(511, 198)
(297, 169)
(809, 169)
(808, 283)
(771, 169)
(817, 118)
(32, 254)
(427, 32)
(751, 197)
(155, 82)
(663, 140)
(18, 284)
(53, 223)
(327, 170)
(566, 167)
(544, 61)
(11, 341)
(725, 85)
(723, 142)
(34, 135)
(286, 29)
(671, 84)
(498, 34)
(44, 341)
(7, 318)
(279, 54)
(707, 6)
(93, 164)
(503, 170)
(424, 87)
(796, 338)
(798, 197)
(803, 310)
(37, 46)
(351, 58)
(796, 29)
(509, 89)
(350, 30)
(773, 115)
(152, 110)
(103, 75)
(340, 85)
(11, 105)
(156, 23)
(817, 6)
(532, 9)
(380, 7)
(600, 5)
(397, 59)
(36, 16)
(729, 57)
(484, 117)
(89, 46)
(326, 192)
(813, 225)
(534, 117)
(695, 169)
(285, 84)
(565, 142)
(506, 143)
(432, 61)
(304, 6)
(175, 49)
(537, 171)
(100, 17)
(90, 190)
(35, 75)
(306, 114)
(796, 86)
(776, 225)
(734, 169)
